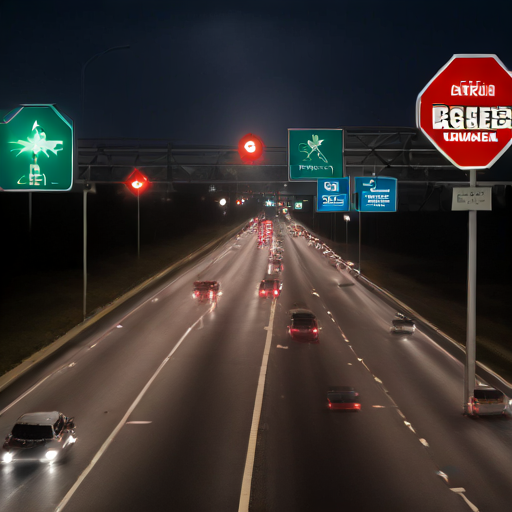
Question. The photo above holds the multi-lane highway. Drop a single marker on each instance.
(163, 393)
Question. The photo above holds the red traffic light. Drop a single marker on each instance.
(250, 147)
(137, 182)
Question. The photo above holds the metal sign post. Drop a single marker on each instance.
(460, 112)
(469, 369)
(85, 252)
(138, 224)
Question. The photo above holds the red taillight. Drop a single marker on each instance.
(211, 295)
(262, 292)
(330, 405)
(276, 292)
(315, 330)
(196, 294)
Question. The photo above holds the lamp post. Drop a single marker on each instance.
(346, 218)
(94, 57)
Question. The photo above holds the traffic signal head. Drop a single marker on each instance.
(250, 148)
(137, 182)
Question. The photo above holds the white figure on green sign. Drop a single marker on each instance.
(36, 144)
(313, 146)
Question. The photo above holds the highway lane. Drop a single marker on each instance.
(311, 459)
(421, 379)
(101, 377)
(184, 444)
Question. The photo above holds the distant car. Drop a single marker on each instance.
(343, 398)
(206, 290)
(403, 325)
(303, 326)
(39, 437)
(270, 288)
(488, 400)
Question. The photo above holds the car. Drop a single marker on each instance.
(206, 290)
(39, 437)
(343, 398)
(403, 325)
(276, 266)
(270, 288)
(488, 400)
(303, 326)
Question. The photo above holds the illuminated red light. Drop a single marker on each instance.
(315, 330)
(137, 182)
(250, 147)
(276, 292)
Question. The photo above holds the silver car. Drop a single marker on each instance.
(403, 325)
(488, 400)
(39, 437)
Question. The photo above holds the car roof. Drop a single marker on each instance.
(39, 418)
(339, 389)
(302, 313)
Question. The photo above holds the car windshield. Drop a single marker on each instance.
(269, 285)
(32, 432)
(488, 394)
(345, 397)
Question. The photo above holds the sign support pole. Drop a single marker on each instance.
(360, 241)
(469, 369)
(138, 224)
(30, 212)
(85, 251)
(346, 239)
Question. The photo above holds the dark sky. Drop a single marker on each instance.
(208, 73)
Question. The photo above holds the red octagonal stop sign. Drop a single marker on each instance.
(466, 110)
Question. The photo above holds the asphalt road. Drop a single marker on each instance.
(163, 391)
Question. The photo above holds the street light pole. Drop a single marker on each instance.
(94, 57)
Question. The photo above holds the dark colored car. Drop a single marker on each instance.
(270, 288)
(206, 290)
(343, 398)
(39, 437)
(303, 326)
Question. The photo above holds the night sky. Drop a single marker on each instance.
(207, 73)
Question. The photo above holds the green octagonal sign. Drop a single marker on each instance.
(315, 153)
(36, 149)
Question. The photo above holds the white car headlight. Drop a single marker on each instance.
(51, 454)
(7, 457)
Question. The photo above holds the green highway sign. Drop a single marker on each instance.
(36, 149)
(315, 154)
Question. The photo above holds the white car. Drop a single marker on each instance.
(39, 437)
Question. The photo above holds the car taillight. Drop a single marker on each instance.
(330, 405)
(211, 295)
(315, 330)
(196, 294)
(276, 292)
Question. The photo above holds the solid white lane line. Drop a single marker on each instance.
(114, 433)
(460, 491)
(245, 493)
(138, 422)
